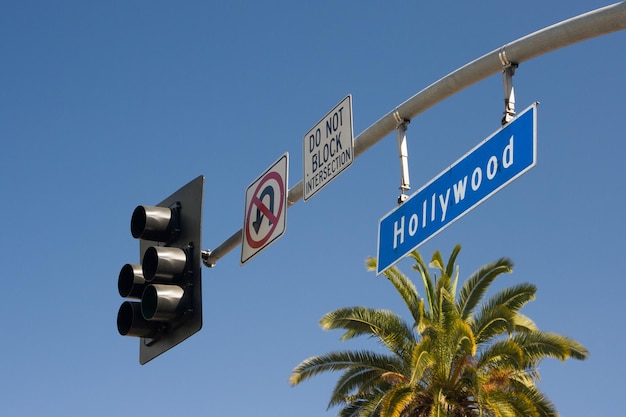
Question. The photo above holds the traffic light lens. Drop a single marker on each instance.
(131, 281)
(130, 322)
(161, 302)
(152, 223)
(163, 264)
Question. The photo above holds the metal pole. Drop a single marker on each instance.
(586, 26)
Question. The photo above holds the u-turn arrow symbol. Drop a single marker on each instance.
(262, 210)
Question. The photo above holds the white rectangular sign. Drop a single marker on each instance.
(328, 148)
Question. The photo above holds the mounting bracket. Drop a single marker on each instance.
(509, 92)
(403, 151)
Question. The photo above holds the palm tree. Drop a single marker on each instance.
(461, 356)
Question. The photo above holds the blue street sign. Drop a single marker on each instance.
(491, 165)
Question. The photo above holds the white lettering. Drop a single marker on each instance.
(398, 232)
(459, 190)
(432, 208)
(492, 167)
(444, 204)
(477, 178)
(413, 222)
(507, 155)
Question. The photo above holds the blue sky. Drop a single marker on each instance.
(108, 105)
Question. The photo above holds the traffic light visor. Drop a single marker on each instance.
(152, 223)
(163, 264)
(162, 302)
(130, 321)
(131, 281)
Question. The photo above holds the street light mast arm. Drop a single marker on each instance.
(596, 23)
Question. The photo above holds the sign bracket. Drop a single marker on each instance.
(509, 92)
(403, 151)
(206, 256)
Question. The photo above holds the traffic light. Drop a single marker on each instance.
(168, 280)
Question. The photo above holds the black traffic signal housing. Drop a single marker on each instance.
(168, 280)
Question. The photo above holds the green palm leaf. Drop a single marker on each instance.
(337, 361)
(538, 345)
(475, 287)
(405, 288)
(359, 379)
(422, 269)
(396, 400)
(465, 355)
(385, 325)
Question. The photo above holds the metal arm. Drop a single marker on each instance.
(586, 26)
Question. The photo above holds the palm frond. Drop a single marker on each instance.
(502, 354)
(360, 406)
(338, 361)
(446, 309)
(396, 399)
(421, 362)
(492, 322)
(385, 325)
(476, 285)
(536, 402)
(421, 268)
(436, 261)
(514, 297)
(461, 338)
(363, 404)
(523, 324)
(500, 404)
(408, 292)
(539, 345)
(452, 260)
(405, 288)
(370, 264)
(358, 379)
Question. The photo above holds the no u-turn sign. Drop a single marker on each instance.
(265, 217)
